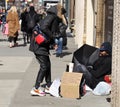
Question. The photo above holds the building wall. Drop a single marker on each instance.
(84, 22)
(89, 22)
(79, 22)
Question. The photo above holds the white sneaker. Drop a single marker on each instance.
(46, 90)
(37, 92)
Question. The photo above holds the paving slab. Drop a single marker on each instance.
(7, 91)
(14, 64)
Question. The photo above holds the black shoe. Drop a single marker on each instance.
(25, 43)
(57, 55)
(28, 42)
(61, 55)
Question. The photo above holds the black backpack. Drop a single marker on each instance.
(31, 21)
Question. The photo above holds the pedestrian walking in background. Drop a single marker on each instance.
(31, 19)
(24, 25)
(13, 26)
(42, 51)
(3, 19)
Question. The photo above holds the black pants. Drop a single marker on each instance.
(89, 79)
(44, 71)
(14, 39)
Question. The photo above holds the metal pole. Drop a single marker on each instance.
(6, 4)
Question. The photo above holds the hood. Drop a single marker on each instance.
(52, 10)
(106, 46)
(57, 10)
(32, 8)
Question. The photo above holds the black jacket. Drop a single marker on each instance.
(101, 67)
(24, 22)
(46, 27)
(32, 13)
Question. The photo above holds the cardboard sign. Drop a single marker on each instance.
(70, 85)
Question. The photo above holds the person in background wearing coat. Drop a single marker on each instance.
(24, 24)
(33, 14)
(42, 51)
(3, 19)
(13, 26)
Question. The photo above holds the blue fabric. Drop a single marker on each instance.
(59, 43)
(106, 46)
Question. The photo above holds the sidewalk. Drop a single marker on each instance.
(22, 82)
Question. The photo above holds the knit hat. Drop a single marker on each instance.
(106, 46)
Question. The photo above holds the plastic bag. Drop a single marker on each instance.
(102, 88)
(54, 88)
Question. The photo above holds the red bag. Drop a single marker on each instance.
(39, 39)
(107, 78)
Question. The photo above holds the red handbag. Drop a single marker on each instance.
(39, 39)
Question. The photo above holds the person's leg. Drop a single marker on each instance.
(44, 68)
(41, 74)
(24, 37)
(15, 39)
(86, 74)
(10, 39)
(60, 45)
(56, 46)
(28, 38)
(37, 90)
(48, 72)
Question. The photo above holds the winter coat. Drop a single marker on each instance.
(61, 31)
(46, 27)
(24, 22)
(13, 23)
(36, 18)
(101, 67)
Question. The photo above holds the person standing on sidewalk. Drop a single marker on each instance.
(31, 20)
(3, 19)
(13, 26)
(24, 24)
(42, 51)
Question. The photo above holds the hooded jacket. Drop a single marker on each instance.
(46, 25)
(33, 15)
(51, 22)
(102, 66)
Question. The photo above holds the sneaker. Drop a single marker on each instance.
(61, 56)
(15, 44)
(46, 90)
(37, 92)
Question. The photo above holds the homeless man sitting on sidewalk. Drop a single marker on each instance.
(101, 67)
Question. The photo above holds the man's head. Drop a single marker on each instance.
(105, 49)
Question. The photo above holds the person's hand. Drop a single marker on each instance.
(56, 47)
(35, 32)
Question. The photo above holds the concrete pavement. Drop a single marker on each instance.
(18, 70)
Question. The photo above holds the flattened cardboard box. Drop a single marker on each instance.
(70, 84)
